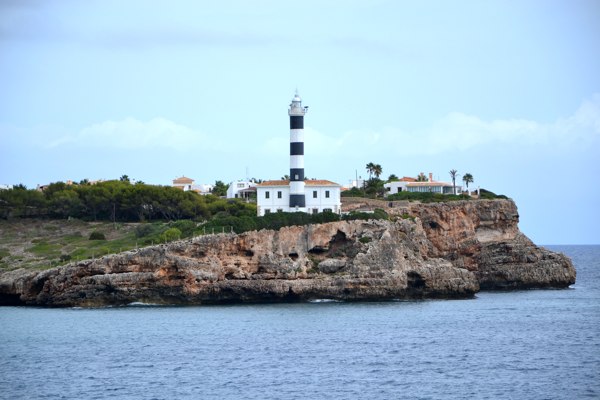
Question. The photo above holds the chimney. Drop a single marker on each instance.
(430, 177)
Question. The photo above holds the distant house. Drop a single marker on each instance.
(320, 195)
(241, 190)
(183, 182)
(398, 186)
(408, 184)
(187, 184)
(431, 187)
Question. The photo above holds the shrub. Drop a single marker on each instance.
(170, 234)
(354, 192)
(488, 195)
(359, 215)
(186, 227)
(97, 236)
(143, 230)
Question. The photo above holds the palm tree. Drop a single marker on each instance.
(377, 170)
(393, 178)
(370, 169)
(421, 177)
(467, 178)
(453, 175)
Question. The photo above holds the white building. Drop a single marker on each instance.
(320, 196)
(407, 184)
(241, 189)
(184, 183)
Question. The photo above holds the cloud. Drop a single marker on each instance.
(458, 132)
(132, 133)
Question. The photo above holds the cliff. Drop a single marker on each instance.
(448, 250)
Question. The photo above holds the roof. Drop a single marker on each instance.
(407, 179)
(183, 179)
(309, 182)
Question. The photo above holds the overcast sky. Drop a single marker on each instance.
(508, 91)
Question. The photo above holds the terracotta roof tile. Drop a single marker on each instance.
(183, 179)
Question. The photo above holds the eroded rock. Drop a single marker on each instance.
(443, 250)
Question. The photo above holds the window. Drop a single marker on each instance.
(240, 185)
(327, 194)
(327, 210)
(280, 210)
(296, 176)
(279, 194)
(314, 194)
(315, 210)
(267, 195)
(267, 211)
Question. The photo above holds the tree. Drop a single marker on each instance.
(393, 178)
(377, 170)
(467, 178)
(421, 177)
(453, 175)
(124, 178)
(285, 178)
(370, 169)
(220, 189)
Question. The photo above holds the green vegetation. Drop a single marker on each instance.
(220, 189)
(170, 234)
(453, 175)
(467, 178)
(97, 236)
(486, 194)
(425, 197)
(117, 200)
(278, 220)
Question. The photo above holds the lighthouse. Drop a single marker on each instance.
(297, 194)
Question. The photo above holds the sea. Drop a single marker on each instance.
(534, 344)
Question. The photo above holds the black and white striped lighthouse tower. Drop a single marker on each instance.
(296, 112)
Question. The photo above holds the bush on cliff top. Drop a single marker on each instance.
(279, 220)
(427, 197)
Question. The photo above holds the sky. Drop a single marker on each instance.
(508, 91)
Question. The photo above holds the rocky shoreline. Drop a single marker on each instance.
(442, 250)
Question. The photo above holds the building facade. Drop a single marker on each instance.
(319, 195)
(241, 189)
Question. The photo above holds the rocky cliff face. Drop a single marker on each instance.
(483, 237)
(439, 250)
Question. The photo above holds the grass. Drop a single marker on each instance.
(41, 244)
(4, 253)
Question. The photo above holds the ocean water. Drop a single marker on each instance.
(540, 344)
